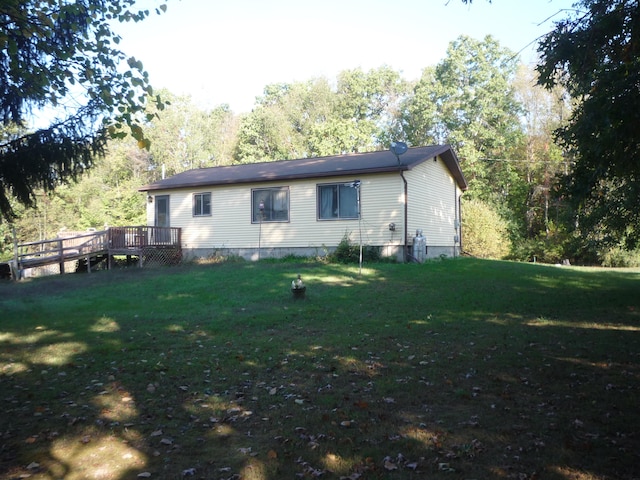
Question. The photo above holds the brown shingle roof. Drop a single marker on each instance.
(351, 164)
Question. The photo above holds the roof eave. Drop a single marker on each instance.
(275, 178)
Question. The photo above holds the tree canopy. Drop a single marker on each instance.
(307, 119)
(59, 60)
(477, 98)
(595, 55)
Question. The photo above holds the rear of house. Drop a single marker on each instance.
(307, 206)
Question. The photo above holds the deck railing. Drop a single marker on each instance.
(143, 236)
(61, 249)
(112, 241)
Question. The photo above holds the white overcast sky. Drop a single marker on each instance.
(228, 51)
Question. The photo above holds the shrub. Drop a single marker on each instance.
(547, 247)
(485, 233)
(348, 252)
(619, 257)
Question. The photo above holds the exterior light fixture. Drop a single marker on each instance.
(150, 198)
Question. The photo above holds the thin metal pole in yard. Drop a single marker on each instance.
(261, 208)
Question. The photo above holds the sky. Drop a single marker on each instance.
(227, 51)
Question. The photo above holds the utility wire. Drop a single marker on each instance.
(512, 160)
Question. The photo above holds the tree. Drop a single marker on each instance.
(369, 106)
(595, 55)
(186, 137)
(266, 134)
(59, 60)
(310, 119)
(468, 100)
(420, 113)
(540, 160)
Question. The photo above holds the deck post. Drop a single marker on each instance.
(17, 274)
(61, 254)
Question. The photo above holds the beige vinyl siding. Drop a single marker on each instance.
(433, 197)
(229, 225)
(382, 199)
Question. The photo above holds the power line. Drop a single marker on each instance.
(512, 160)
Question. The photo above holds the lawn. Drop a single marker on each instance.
(454, 369)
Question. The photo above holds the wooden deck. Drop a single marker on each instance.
(143, 242)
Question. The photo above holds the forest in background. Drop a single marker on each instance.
(479, 98)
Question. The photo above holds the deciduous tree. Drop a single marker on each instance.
(468, 100)
(595, 55)
(185, 136)
(310, 119)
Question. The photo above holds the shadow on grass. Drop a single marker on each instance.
(455, 369)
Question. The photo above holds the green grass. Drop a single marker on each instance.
(454, 369)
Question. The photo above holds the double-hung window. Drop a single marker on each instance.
(270, 204)
(201, 204)
(338, 201)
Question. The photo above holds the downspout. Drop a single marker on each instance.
(460, 221)
(406, 217)
(456, 220)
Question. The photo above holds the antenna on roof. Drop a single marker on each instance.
(398, 148)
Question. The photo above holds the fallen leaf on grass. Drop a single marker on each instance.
(445, 467)
(389, 465)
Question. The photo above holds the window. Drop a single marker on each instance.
(337, 201)
(201, 204)
(270, 205)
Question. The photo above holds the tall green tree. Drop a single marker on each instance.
(310, 119)
(289, 121)
(59, 59)
(468, 101)
(419, 116)
(369, 107)
(595, 54)
(184, 136)
(475, 94)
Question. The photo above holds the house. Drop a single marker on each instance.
(307, 206)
